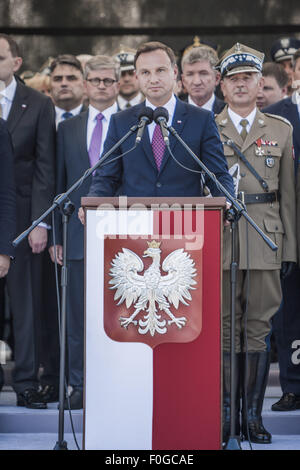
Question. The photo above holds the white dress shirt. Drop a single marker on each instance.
(93, 112)
(8, 95)
(208, 105)
(236, 119)
(170, 107)
(59, 113)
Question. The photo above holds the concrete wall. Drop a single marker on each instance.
(99, 26)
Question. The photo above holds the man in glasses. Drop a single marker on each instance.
(79, 145)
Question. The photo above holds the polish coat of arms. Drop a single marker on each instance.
(153, 294)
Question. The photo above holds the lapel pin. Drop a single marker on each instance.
(24, 105)
(179, 122)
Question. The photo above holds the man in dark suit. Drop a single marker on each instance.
(78, 147)
(286, 322)
(149, 170)
(30, 121)
(200, 78)
(7, 206)
(67, 92)
(67, 89)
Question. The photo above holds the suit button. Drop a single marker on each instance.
(158, 185)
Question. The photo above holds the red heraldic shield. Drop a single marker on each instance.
(154, 290)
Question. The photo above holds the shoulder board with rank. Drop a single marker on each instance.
(279, 117)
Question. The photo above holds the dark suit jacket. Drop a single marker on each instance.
(218, 105)
(7, 193)
(71, 163)
(31, 123)
(287, 109)
(137, 173)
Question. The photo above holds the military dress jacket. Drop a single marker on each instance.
(268, 148)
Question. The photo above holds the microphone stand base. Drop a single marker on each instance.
(233, 443)
(61, 445)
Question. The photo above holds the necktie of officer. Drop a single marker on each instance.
(95, 145)
(66, 115)
(244, 123)
(158, 145)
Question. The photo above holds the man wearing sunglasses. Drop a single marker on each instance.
(79, 145)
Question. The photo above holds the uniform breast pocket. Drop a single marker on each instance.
(272, 156)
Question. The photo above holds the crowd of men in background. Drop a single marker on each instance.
(76, 96)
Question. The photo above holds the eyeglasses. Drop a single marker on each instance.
(96, 81)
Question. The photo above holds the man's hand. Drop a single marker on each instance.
(287, 268)
(37, 239)
(4, 265)
(59, 254)
(81, 215)
(226, 221)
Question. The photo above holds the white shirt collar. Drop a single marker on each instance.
(136, 100)
(59, 111)
(93, 112)
(208, 105)
(236, 119)
(170, 107)
(10, 90)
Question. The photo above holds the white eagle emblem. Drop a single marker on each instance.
(152, 291)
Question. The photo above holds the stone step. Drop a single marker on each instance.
(18, 419)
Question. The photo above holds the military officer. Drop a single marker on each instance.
(263, 176)
(282, 52)
(129, 94)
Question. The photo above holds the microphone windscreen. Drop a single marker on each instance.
(160, 113)
(147, 113)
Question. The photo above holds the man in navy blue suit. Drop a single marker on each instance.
(286, 322)
(142, 172)
(79, 141)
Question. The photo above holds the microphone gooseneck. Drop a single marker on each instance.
(145, 117)
(161, 117)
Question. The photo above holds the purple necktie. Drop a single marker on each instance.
(158, 145)
(94, 150)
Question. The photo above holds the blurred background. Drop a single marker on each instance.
(46, 28)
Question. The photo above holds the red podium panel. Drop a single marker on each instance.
(169, 389)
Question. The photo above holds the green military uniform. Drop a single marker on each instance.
(265, 183)
(268, 148)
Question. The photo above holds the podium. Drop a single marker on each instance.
(153, 353)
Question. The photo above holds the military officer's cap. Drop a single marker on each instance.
(125, 57)
(284, 49)
(240, 58)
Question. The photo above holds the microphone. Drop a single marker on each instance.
(145, 117)
(161, 117)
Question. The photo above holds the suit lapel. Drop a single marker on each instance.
(178, 123)
(81, 135)
(19, 105)
(293, 115)
(228, 129)
(145, 142)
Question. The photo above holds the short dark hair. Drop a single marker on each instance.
(13, 45)
(154, 46)
(274, 69)
(66, 59)
(295, 57)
